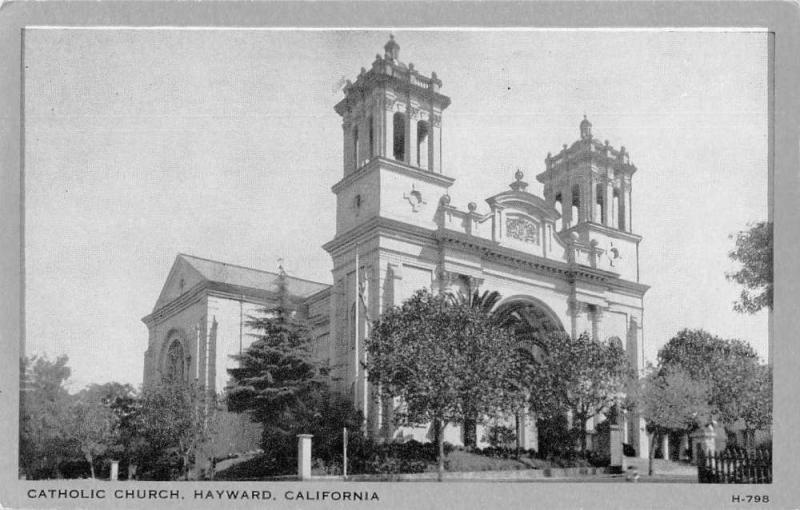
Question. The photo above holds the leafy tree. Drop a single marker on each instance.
(728, 367)
(754, 252)
(757, 405)
(44, 409)
(170, 424)
(93, 425)
(277, 375)
(670, 399)
(579, 376)
(446, 362)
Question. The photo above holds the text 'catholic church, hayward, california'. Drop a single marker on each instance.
(570, 257)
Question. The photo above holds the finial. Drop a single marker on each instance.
(392, 49)
(518, 184)
(445, 200)
(586, 128)
(472, 206)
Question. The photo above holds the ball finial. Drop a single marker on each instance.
(472, 206)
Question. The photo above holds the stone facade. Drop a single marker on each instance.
(571, 255)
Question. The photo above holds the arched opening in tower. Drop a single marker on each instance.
(371, 126)
(600, 205)
(356, 162)
(560, 209)
(576, 204)
(422, 145)
(399, 134)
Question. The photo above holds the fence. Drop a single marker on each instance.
(735, 466)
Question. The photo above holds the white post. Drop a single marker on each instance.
(304, 456)
(114, 470)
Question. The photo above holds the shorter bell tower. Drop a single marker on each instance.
(589, 184)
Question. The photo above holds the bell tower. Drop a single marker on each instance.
(589, 184)
(386, 208)
(394, 112)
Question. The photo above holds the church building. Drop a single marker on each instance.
(570, 256)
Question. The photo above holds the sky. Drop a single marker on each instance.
(141, 144)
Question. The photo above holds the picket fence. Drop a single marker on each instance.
(735, 466)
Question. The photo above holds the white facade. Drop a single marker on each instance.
(572, 254)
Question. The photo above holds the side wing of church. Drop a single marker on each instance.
(570, 256)
(201, 319)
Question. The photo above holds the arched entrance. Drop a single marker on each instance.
(531, 321)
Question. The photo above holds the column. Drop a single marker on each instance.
(628, 209)
(574, 308)
(623, 205)
(413, 154)
(597, 324)
(387, 130)
(566, 206)
(347, 147)
(304, 456)
(608, 189)
(665, 447)
(409, 147)
(593, 213)
(584, 208)
(434, 142)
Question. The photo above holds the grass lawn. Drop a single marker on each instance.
(252, 467)
(459, 460)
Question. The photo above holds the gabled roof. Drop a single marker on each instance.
(191, 270)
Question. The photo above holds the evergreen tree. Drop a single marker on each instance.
(277, 375)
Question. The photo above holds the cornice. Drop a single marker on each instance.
(492, 251)
(379, 162)
(219, 290)
(379, 225)
(610, 232)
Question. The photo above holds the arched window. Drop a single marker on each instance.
(371, 123)
(174, 364)
(399, 128)
(560, 208)
(422, 144)
(616, 212)
(600, 210)
(356, 163)
(576, 204)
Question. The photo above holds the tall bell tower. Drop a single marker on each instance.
(394, 112)
(386, 206)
